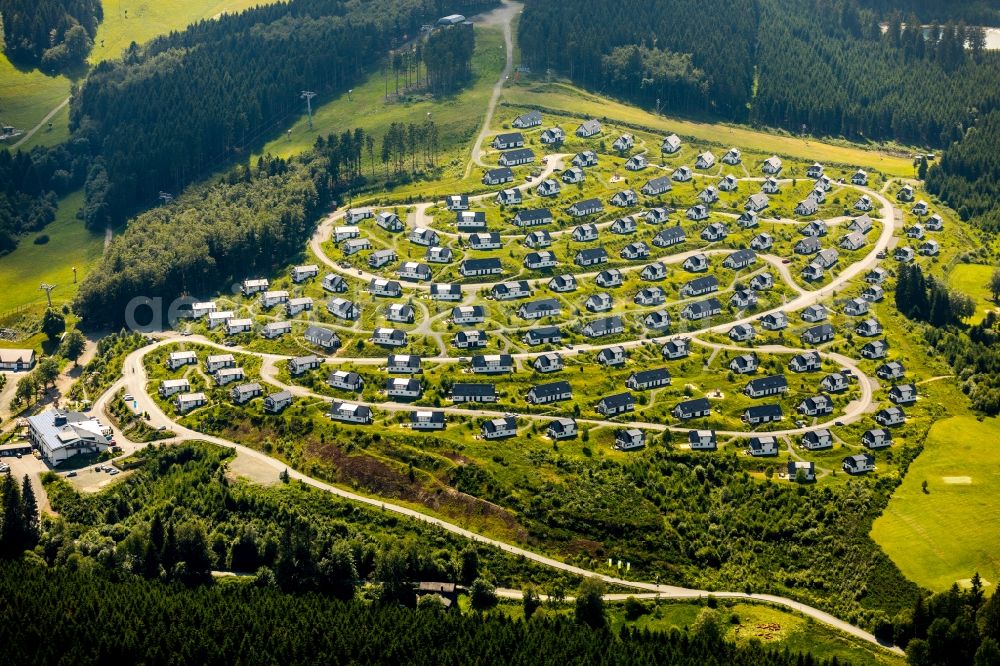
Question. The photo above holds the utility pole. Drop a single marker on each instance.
(48, 291)
(307, 95)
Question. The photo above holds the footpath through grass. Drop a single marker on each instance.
(946, 534)
(569, 99)
(26, 96)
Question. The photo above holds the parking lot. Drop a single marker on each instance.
(88, 479)
(33, 467)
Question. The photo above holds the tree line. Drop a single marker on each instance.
(249, 222)
(171, 111)
(822, 67)
(967, 177)
(19, 521)
(972, 351)
(975, 12)
(51, 34)
(952, 628)
(234, 625)
(144, 548)
(927, 299)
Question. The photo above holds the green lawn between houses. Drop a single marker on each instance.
(951, 531)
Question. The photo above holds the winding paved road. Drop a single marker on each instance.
(135, 381)
(30, 133)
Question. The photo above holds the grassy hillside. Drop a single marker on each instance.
(27, 96)
(567, 98)
(70, 244)
(947, 533)
(458, 117)
(974, 280)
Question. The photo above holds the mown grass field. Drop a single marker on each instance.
(974, 280)
(952, 530)
(567, 98)
(26, 96)
(70, 244)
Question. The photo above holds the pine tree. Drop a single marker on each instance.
(10, 527)
(29, 515)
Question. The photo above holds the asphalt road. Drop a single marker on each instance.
(134, 380)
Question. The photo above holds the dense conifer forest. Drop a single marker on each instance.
(51, 34)
(973, 12)
(967, 177)
(822, 67)
(172, 111)
(87, 617)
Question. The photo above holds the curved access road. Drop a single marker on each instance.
(134, 379)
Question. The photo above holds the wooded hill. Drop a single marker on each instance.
(180, 107)
(813, 64)
(52, 34)
(967, 177)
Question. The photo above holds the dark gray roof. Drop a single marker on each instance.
(762, 411)
(766, 383)
(694, 405)
(550, 389)
(473, 390)
(488, 263)
(531, 214)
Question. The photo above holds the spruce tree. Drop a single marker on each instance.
(10, 527)
(29, 515)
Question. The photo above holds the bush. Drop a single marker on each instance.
(42, 240)
(634, 609)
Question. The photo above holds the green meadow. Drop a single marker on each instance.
(952, 530)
